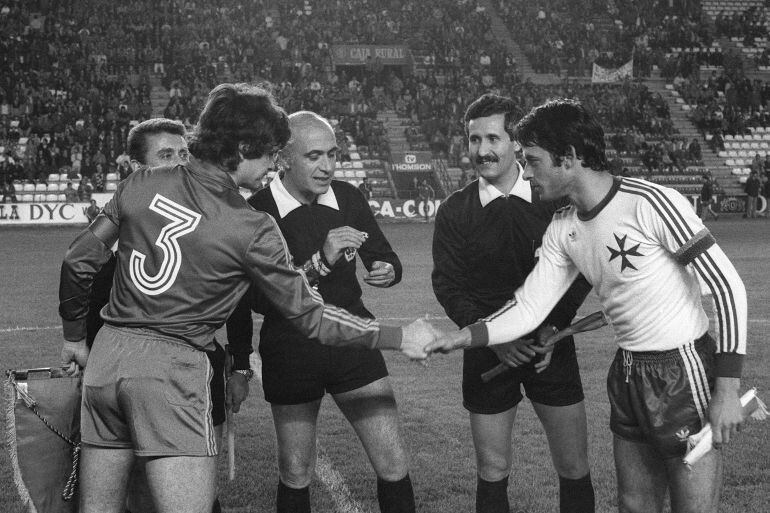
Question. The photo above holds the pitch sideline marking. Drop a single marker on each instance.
(329, 476)
(259, 321)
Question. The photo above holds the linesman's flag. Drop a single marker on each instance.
(42, 408)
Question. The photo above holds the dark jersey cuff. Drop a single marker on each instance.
(74, 331)
(241, 361)
(390, 337)
(729, 365)
(479, 334)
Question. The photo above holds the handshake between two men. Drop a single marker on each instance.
(421, 339)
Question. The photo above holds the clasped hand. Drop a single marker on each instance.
(340, 239)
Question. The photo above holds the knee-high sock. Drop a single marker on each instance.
(395, 496)
(576, 495)
(492, 496)
(292, 500)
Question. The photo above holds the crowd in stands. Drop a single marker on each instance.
(76, 75)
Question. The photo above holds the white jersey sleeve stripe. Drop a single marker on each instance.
(667, 211)
(727, 312)
(343, 317)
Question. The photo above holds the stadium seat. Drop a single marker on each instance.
(63, 177)
(61, 198)
(53, 187)
(111, 177)
(51, 198)
(26, 198)
(29, 187)
(53, 177)
(360, 173)
(38, 197)
(354, 155)
(357, 164)
(41, 187)
(111, 186)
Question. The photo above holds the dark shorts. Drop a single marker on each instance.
(300, 371)
(660, 398)
(151, 393)
(558, 385)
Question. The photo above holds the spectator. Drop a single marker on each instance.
(92, 211)
(85, 189)
(9, 193)
(70, 194)
(752, 189)
(366, 188)
(707, 198)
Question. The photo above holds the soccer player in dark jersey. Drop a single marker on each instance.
(189, 248)
(153, 143)
(646, 253)
(485, 243)
(329, 221)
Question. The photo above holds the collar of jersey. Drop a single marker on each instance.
(286, 203)
(210, 172)
(587, 216)
(488, 192)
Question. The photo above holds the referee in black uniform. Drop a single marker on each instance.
(485, 243)
(326, 224)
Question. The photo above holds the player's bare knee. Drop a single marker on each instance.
(296, 478)
(394, 468)
(629, 502)
(493, 468)
(573, 468)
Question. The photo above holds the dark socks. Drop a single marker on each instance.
(292, 500)
(492, 496)
(576, 495)
(395, 496)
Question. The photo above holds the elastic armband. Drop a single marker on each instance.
(104, 230)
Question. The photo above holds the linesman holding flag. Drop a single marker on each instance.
(485, 243)
(643, 249)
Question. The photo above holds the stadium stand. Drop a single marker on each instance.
(77, 75)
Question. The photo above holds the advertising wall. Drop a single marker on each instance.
(42, 213)
(18, 214)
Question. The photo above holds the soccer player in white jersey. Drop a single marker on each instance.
(644, 249)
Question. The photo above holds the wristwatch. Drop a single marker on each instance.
(247, 373)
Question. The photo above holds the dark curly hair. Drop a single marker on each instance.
(239, 119)
(561, 124)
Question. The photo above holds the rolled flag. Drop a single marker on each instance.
(699, 444)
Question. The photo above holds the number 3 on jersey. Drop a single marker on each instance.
(183, 221)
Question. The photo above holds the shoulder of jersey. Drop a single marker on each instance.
(339, 185)
(462, 194)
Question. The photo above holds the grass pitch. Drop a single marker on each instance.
(434, 424)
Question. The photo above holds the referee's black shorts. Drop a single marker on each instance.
(296, 371)
(558, 385)
(659, 398)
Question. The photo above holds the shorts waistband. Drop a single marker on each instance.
(151, 334)
(670, 354)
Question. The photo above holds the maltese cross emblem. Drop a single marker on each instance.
(623, 253)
